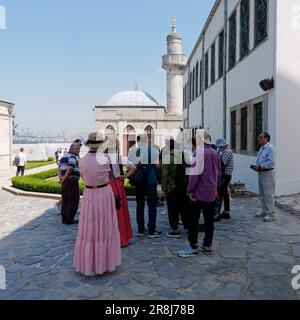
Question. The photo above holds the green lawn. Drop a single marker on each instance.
(37, 164)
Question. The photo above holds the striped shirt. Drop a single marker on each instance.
(227, 159)
(69, 160)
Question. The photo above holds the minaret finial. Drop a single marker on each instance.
(174, 25)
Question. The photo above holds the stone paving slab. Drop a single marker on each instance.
(251, 259)
(289, 203)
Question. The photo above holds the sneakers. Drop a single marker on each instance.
(261, 215)
(140, 234)
(187, 252)
(269, 218)
(206, 248)
(224, 215)
(174, 234)
(217, 218)
(156, 234)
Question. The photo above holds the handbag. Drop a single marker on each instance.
(139, 178)
(118, 201)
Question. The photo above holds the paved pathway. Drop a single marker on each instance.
(252, 259)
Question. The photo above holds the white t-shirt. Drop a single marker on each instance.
(22, 158)
(115, 164)
(60, 156)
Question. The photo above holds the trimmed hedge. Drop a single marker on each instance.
(38, 183)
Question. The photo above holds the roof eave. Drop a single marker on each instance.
(212, 13)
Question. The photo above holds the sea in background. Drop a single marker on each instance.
(41, 151)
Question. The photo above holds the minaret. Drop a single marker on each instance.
(174, 63)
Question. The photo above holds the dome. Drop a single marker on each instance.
(132, 98)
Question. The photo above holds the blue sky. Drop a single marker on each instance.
(59, 58)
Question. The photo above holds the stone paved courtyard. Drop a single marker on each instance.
(252, 259)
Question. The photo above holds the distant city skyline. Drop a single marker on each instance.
(61, 59)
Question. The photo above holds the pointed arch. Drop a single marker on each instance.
(129, 139)
(110, 130)
(129, 129)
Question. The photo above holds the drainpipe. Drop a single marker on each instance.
(225, 70)
(189, 99)
(203, 80)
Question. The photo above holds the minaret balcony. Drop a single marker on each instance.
(174, 60)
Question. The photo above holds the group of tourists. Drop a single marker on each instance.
(191, 185)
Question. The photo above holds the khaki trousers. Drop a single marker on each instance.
(266, 184)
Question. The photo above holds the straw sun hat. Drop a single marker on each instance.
(95, 140)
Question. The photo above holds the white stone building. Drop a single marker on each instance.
(6, 128)
(130, 113)
(244, 42)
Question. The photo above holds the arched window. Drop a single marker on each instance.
(150, 134)
(110, 130)
(129, 139)
(129, 129)
(149, 130)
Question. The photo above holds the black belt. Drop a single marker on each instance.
(97, 187)
(263, 170)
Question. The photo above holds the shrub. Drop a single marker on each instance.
(50, 159)
(38, 183)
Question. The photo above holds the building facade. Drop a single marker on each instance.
(244, 42)
(6, 128)
(131, 113)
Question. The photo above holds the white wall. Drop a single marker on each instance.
(288, 97)
(242, 83)
(5, 138)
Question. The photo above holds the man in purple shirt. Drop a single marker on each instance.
(202, 190)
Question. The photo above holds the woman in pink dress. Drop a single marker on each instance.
(98, 240)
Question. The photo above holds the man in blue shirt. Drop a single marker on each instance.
(265, 166)
(149, 158)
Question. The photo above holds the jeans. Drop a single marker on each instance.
(149, 191)
(20, 169)
(224, 193)
(178, 204)
(207, 208)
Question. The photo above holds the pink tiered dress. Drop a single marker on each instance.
(98, 240)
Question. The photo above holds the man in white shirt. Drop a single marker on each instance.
(21, 162)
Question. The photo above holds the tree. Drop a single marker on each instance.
(14, 126)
